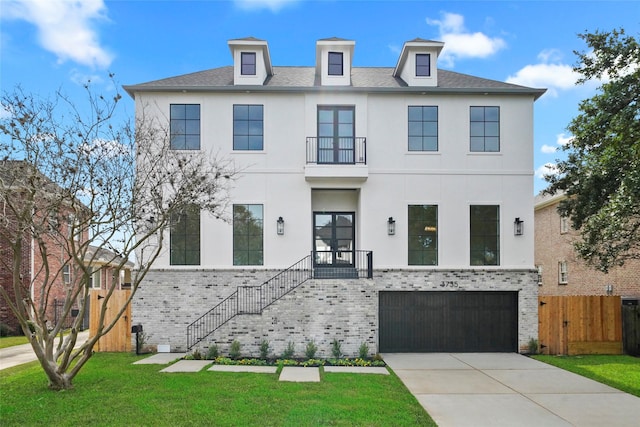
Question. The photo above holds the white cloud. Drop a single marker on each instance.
(459, 43)
(65, 28)
(272, 5)
(546, 169)
(548, 149)
(394, 48)
(562, 139)
(552, 76)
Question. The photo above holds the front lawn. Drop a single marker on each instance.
(111, 391)
(621, 372)
(11, 341)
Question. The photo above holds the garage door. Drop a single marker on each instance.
(448, 321)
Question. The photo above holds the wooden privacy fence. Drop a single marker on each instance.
(580, 325)
(118, 338)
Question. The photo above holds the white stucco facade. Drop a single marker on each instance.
(382, 182)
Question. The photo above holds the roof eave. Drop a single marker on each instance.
(536, 93)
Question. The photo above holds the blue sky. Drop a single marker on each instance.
(47, 45)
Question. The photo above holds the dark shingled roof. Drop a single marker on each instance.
(372, 79)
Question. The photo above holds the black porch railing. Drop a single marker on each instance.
(336, 150)
(254, 299)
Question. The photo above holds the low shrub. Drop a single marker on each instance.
(289, 351)
(311, 349)
(213, 352)
(264, 349)
(336, 349)
(313, 362)
(234, 350)
(363, 351)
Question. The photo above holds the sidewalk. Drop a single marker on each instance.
(19, 354)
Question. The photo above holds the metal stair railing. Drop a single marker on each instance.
(250, 300)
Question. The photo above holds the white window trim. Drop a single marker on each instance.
(563, 273)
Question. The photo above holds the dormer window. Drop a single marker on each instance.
(248, 64)
(423, 65)
(335, 64)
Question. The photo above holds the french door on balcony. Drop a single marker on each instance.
(336, 132)
(333, 239)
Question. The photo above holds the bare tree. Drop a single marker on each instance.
(73, 182)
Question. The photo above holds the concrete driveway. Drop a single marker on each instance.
(508, 389)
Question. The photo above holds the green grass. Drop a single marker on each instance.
(11, 341)
(111, 391)
(621, 372)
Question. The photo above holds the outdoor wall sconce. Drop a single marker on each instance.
(609, 289)
(518, 227)
(280, 226)
(391, 226)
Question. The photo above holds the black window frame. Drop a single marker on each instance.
(333, 64)
(184, 237)
(423, 70)
(184, 126)
(248, 235)
(248, 63)
(422, 235)
(484, 130)
(484, 235)
(413, 133)
(245, 133)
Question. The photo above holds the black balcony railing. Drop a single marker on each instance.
(336, 150)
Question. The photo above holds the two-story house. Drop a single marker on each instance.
(561, 271)
(45, 268)
(384, 205)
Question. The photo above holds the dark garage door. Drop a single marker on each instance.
(448, 321)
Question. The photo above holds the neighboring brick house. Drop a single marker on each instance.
(402, 191)
(63, 228)
(561, 271)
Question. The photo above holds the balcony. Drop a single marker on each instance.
(342, 158)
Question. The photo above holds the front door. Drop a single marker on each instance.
(336, 131)
(333, 239)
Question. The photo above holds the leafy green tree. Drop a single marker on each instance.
(601, 174)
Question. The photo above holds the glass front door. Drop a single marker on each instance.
(333, 239)
(336, 133)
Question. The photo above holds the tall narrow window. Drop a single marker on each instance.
(248, 235)
(423, 64)
(184, 238)
(66, 274)
(248, 63)
(185, 126)
(423, 128)
(248, 127)
(423, 234)
(564, 224)
(95, 278)
(485, 129)
(539, 268)
(563, 273)
(484, 234)
(335, 64)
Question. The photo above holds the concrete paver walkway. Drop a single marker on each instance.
(160, 359)
(502, 389)
(300, 374)
(187, 366)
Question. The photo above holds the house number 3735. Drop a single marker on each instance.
(449, 284)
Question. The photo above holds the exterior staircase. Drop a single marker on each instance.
(254, 299)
